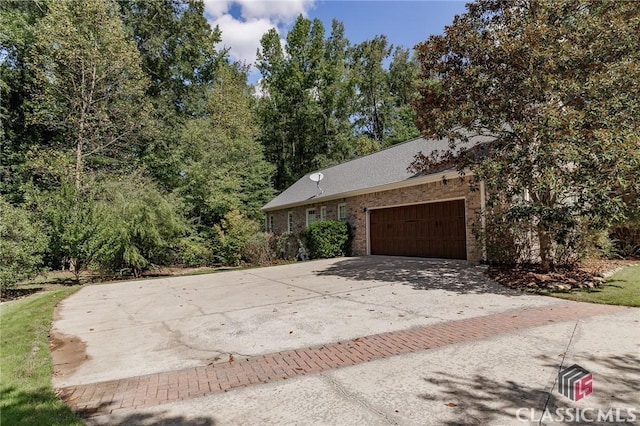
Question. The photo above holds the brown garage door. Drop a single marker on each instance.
(422, 230)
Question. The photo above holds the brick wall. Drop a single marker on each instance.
(358, 207)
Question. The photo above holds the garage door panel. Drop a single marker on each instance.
(424, 230)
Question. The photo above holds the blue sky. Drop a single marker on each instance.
(243, 22)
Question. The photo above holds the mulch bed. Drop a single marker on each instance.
(589, 274)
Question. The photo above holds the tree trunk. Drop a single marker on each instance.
(546, 248)
(79, 164)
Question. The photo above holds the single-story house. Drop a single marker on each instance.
(391, 210)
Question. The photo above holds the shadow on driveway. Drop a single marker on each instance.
(422, 274)
(481, 399)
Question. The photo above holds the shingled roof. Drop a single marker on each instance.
(382, 168)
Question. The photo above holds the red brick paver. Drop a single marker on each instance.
(144, 391)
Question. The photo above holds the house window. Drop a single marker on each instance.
(270, 223)
(290, 222)
(342, 212)
(311, 216)
(323, 213)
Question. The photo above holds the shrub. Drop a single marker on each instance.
(193, 252)
(626, 239)
(286, 246)
(232, 236)
(328, 238)
(257, 250)
(506, 241)
(22, 245)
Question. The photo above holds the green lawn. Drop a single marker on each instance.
(623, 288)
(26, 394)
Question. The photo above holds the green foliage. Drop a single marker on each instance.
(26, 394)
(286, 246)
(193, 251)
(72, 221)
(223, 167)
(328, 238)
(321, 97)
(88, 82)
(124, 225)
(544, 79)
(22, 245)
(144, 226)
(232, 236)
(626, 239)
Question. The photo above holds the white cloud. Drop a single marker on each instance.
(278, 10)
(242, 34)
(242, 37)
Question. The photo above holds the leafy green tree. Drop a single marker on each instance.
(557, 84)
(176, 45)
(72, 223)
(373, 100)
(304, 109)
(223, 167)
(22, 245)
(144, 226)
(402, 78)
(17, 21)
(88, 82)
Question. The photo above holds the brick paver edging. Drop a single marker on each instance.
(153, 389)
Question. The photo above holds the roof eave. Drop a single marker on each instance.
(413, 181)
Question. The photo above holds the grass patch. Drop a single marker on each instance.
(623, 288)
(26, 394)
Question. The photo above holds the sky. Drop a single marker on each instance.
(243, 22)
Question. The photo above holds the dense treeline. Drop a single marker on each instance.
(129, 141)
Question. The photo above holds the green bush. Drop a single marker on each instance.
(22, 245)
(231, 237)
(286, 246)
(328, 238)
(192, 251)
(626, 239)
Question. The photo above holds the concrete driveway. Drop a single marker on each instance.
(373, 340)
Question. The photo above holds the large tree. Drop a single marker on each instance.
(223, 167)
(176, 45)
(88, 83)
(558, 86)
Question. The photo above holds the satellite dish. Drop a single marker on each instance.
(316, 177)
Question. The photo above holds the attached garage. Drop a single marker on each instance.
(421, 230)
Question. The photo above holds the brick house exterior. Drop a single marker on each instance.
(351, 192)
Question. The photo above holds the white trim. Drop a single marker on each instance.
(415, 181)
(443, 200)
(323, 213)
(307, 215)
(346, 213)
(290, 221)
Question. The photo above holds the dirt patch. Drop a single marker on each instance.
(18, 293)
(67, 352)
(589, 274)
